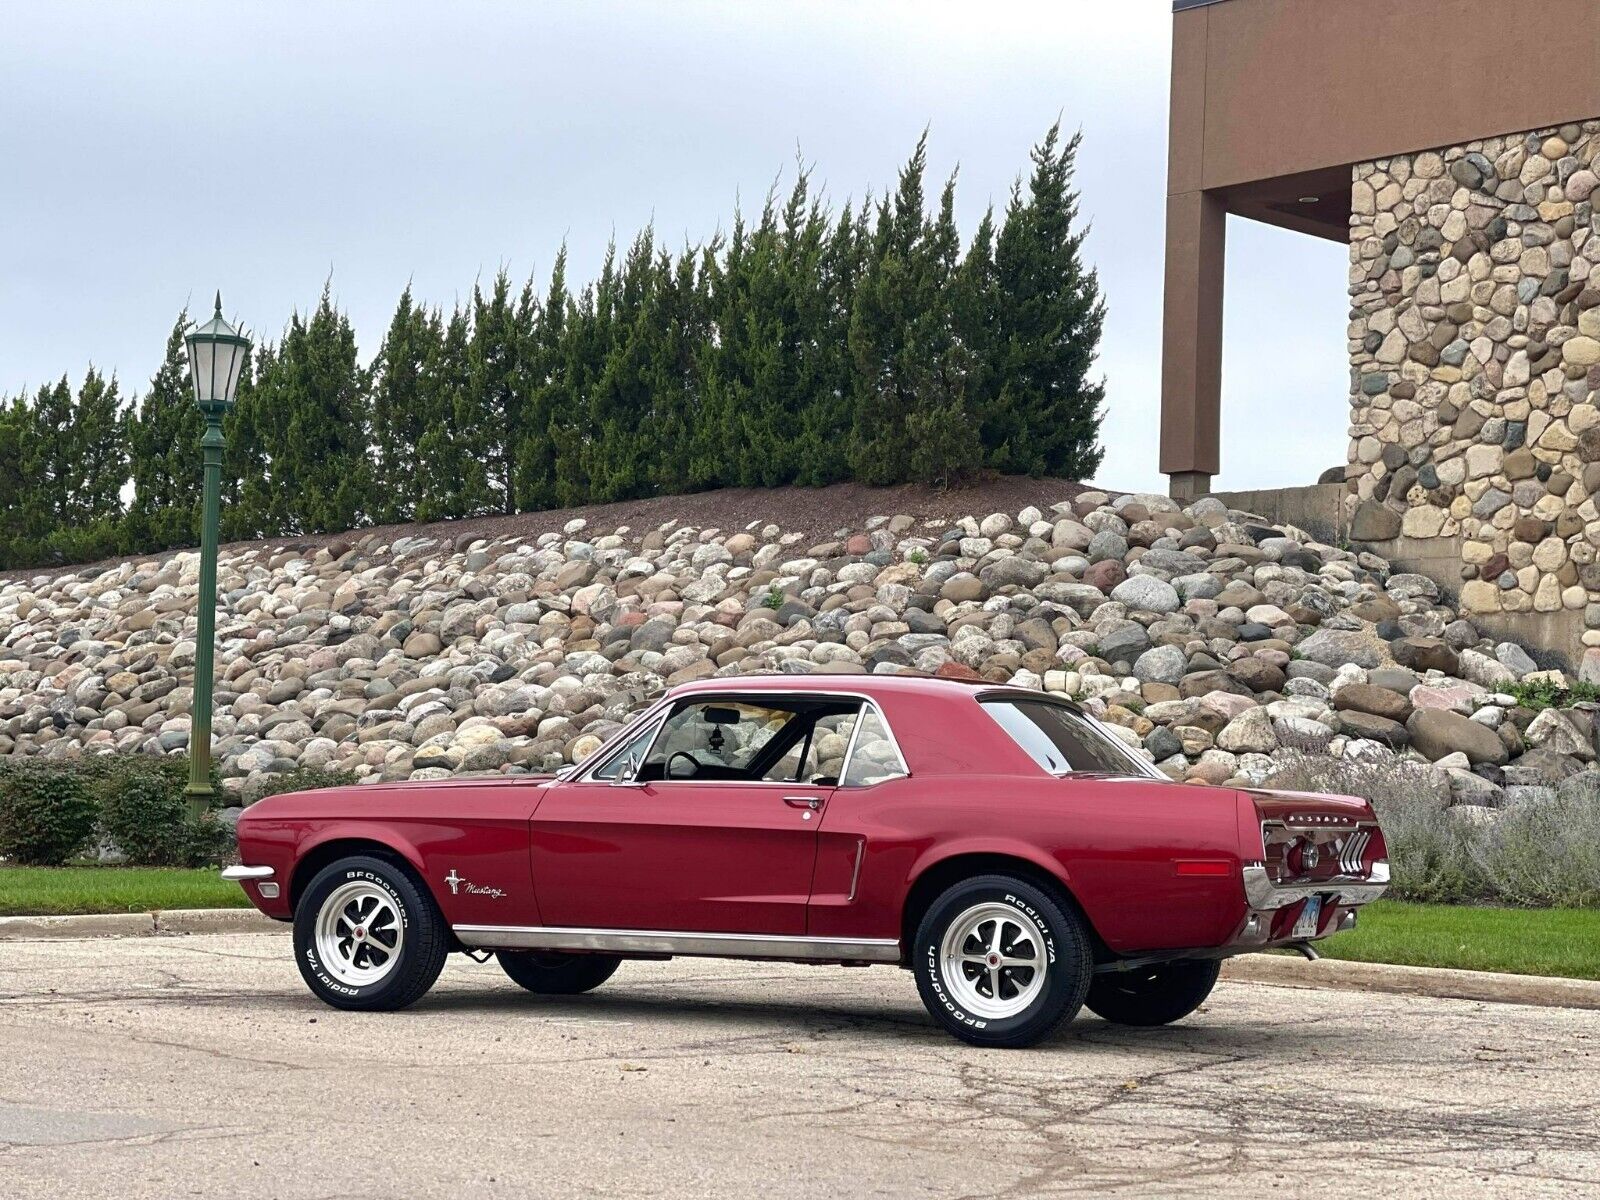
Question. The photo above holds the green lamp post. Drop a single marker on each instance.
(217, 353)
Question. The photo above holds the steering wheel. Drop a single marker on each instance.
(677, 754)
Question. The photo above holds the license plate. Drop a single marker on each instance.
(1306, 923)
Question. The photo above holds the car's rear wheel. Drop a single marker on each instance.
(366, 937)
(1001, 962)
(549, 973)
(1153, 995)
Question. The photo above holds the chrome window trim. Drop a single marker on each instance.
(1012, 695)
(664, 941)
(855, 736)
(586, 770)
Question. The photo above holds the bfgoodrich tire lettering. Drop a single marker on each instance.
(1000, 962)
(366, 937)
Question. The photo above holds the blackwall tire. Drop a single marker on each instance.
(556, 974)
(1001, 962)
(367, 938)
(1155, 995)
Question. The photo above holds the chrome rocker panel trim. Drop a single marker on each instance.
(1359, 889)
(659, 941)
(241, 874)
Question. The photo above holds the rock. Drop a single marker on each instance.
(1554, 731)
(1373, 522)
(1436, 732)
(1146, 593)
(1160, 664)
(1378, 701)
(1250, 732)
(1425, 654)
(1335, 647)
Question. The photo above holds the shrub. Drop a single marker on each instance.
(1545, 850)
(302, 779)
(1430, 852)
(48, 812)
(144, 811)
(1545, 693)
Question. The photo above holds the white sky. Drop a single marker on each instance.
(152, 152)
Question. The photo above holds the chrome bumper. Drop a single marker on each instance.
(1348, 889)
(260, 876)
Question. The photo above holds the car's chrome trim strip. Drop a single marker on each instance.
(241, 874)
(1350, 889)
(855, 871)
(661, 941)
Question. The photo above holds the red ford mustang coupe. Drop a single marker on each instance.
(998, 843)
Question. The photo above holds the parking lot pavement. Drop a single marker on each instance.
(200, 1066)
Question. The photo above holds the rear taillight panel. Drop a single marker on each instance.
(1319, 849)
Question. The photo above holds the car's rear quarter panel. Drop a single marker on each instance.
(1115, 844)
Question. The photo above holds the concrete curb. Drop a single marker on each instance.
(1437, 982)
(145, 924)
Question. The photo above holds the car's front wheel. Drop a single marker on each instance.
(1157, 994)
(549, 973)
(1001, 962)
(367, 937)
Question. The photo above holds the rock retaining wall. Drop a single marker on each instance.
(1475, 365)
(1210, 640)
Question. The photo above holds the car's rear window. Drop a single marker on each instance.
(1059, 739)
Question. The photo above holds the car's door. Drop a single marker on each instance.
(712, 828)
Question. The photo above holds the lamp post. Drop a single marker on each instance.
(217, 352)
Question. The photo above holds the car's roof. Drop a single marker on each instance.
(867, 685)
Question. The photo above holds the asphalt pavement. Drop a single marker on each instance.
(199, 1066)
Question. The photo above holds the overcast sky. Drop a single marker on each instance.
(153, 152)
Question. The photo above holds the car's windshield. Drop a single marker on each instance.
(1063, 740)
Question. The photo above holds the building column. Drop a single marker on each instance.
(1191, 344)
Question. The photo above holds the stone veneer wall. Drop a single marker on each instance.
(1475, 364)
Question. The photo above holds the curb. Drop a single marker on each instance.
(145, 924)
(1436, 982)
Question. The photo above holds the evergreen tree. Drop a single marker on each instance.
(164, 455)
(315, 403)
(453, 474)
(1045, 413)
(400, 408)
(546, 381)
(247, 481)
(502, 332)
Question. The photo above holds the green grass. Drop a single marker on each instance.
(1520, 941)
(32, 891)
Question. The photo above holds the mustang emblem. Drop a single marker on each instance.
(457, 883)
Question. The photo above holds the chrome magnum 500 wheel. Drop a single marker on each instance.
(365, 937)
(999, 962)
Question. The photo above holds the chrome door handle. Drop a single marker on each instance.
(810, 802)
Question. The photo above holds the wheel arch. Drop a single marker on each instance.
(315, 858)
(934, 877)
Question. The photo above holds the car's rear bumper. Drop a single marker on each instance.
(1346, 891)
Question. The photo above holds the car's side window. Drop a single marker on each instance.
(875, 758)
(817, 756)
(716, 739)
(624, 764)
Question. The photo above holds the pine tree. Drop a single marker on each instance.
(98, 469)
(400, 408)
(502, 332)
(550, 398)
(316, 404)
(247, 481)
(453, 474)
(163, 450)
(1045, 413)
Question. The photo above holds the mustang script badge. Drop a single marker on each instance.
(458, 885)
